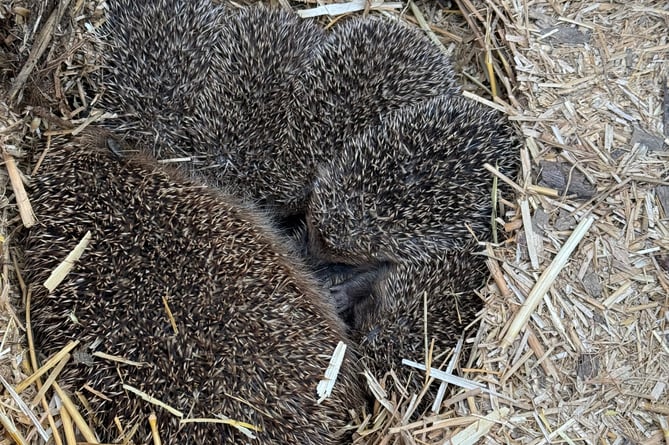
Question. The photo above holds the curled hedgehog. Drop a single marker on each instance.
(398, 215)
(235, 100)
(360, 128)
(247, 336)
(366, 68)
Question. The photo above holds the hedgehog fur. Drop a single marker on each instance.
(221, 86)
(412, 185)
(156, 63)
(254, 336)
(367, 67)
(390, 325)
(392, 219)
(261, 97)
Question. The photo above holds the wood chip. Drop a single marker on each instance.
(22, 201)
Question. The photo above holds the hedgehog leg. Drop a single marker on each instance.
(356, 291)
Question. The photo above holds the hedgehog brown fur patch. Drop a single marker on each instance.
(367, 67)
(254, 333)
(222, 86)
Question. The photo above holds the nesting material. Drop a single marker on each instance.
(22, 201)
(59, 273)
(325, 386)
(337, 9)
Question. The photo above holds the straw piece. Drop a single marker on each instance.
(546, 191)
(455, 380)
(153, 423)
(534, 343)
(117, 359)
(530, 238)
(170, 316)
(74, 413)
(347, 8)
(425, 27)
(655, 408)
(94, 117)
(52, 378)
(33, 365)
(245, 426)
(24, 408)
(68, 427)
(503, 177)
(664, 424)
(449, 369)
(546, 280)
(153, 400)
(22, 201)
(95, 392)
(11, 430)
(50, 363)
(378, 392)
(477, 430)
(483, 101)
(61, 271)
(326, 385)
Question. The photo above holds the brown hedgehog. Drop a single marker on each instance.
(392, 218)
(367, 67)
(251, 335)
(223, 85)
(156, 63)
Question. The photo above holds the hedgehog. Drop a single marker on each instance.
(155, 64)
(221, 86)
(214, 314)
(398, 215)
(412, 185)
(389, 324)
(368, 67)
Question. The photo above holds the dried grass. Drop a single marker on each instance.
(573, 345)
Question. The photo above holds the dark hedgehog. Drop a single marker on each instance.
(252, 335)
(367, 67)
(412, 185)
(393, 216)
(257, 106)
(156, 63)
(220, 85)
(389, 322)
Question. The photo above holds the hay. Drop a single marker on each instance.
(580, 358)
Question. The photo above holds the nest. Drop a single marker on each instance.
(573, 344)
